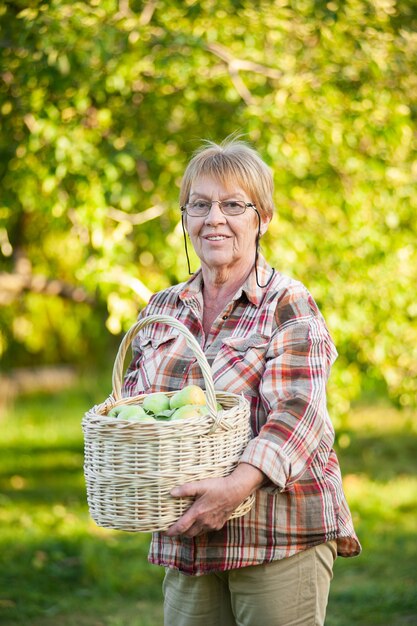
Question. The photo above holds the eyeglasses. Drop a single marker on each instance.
(201, 208)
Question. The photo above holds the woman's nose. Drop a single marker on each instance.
(215, 215)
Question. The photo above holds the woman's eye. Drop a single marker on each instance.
(232, 205)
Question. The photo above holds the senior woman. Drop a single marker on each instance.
(263, 336)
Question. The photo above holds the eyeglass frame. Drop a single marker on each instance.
(247, 205)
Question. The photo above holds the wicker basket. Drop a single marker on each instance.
(131, 467)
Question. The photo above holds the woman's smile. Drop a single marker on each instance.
(215, 237)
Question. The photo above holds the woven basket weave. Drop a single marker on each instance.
(131, 467)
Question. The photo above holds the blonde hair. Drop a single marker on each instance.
(233, 160)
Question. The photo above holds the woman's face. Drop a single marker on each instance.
(223, 242)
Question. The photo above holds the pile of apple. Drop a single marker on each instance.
(188, 402)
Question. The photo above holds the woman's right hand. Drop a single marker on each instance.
(215, 500)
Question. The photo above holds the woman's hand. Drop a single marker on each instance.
(215, 500)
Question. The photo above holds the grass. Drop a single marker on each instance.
(57, 568)
(378, 459)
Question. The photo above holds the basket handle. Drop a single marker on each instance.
(191, 343)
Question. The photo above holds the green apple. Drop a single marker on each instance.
(156, 403)
(204, 410)
(186, 411)
(192, 394)
(114, 412)
(134, 413)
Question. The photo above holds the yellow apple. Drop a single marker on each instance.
(186, 411)
(192, 394)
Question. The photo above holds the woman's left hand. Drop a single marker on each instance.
(215, 500)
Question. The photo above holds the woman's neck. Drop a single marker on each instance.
(221, 285)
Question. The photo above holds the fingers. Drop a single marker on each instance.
(196, 521)
(183, 526)
(180, 528)
(208, 512)
(187, 522)
(188, 489)
(196, 530)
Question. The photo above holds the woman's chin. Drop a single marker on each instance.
(226, 264)
(217, 261)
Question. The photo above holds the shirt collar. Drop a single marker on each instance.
(255, 294)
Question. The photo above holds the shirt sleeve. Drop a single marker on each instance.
(293, 391)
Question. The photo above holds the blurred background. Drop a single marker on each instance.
(102, 104)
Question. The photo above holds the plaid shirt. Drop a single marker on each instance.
(272, 345)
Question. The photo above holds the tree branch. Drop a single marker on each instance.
(12, 285)
(236, 65)
(135, 218)
(240, 86)
(147, 13)
(124, 10)
(136, 285)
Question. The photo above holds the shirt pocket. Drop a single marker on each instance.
(151, 372)
(240, 364)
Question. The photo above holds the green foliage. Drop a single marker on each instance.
(102, 105)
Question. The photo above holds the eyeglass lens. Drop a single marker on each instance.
(228, 207)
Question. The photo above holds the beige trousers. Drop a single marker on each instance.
(288, 592)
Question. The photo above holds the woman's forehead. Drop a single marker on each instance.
(206, 183)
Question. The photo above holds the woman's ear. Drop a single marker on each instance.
(264, 226)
